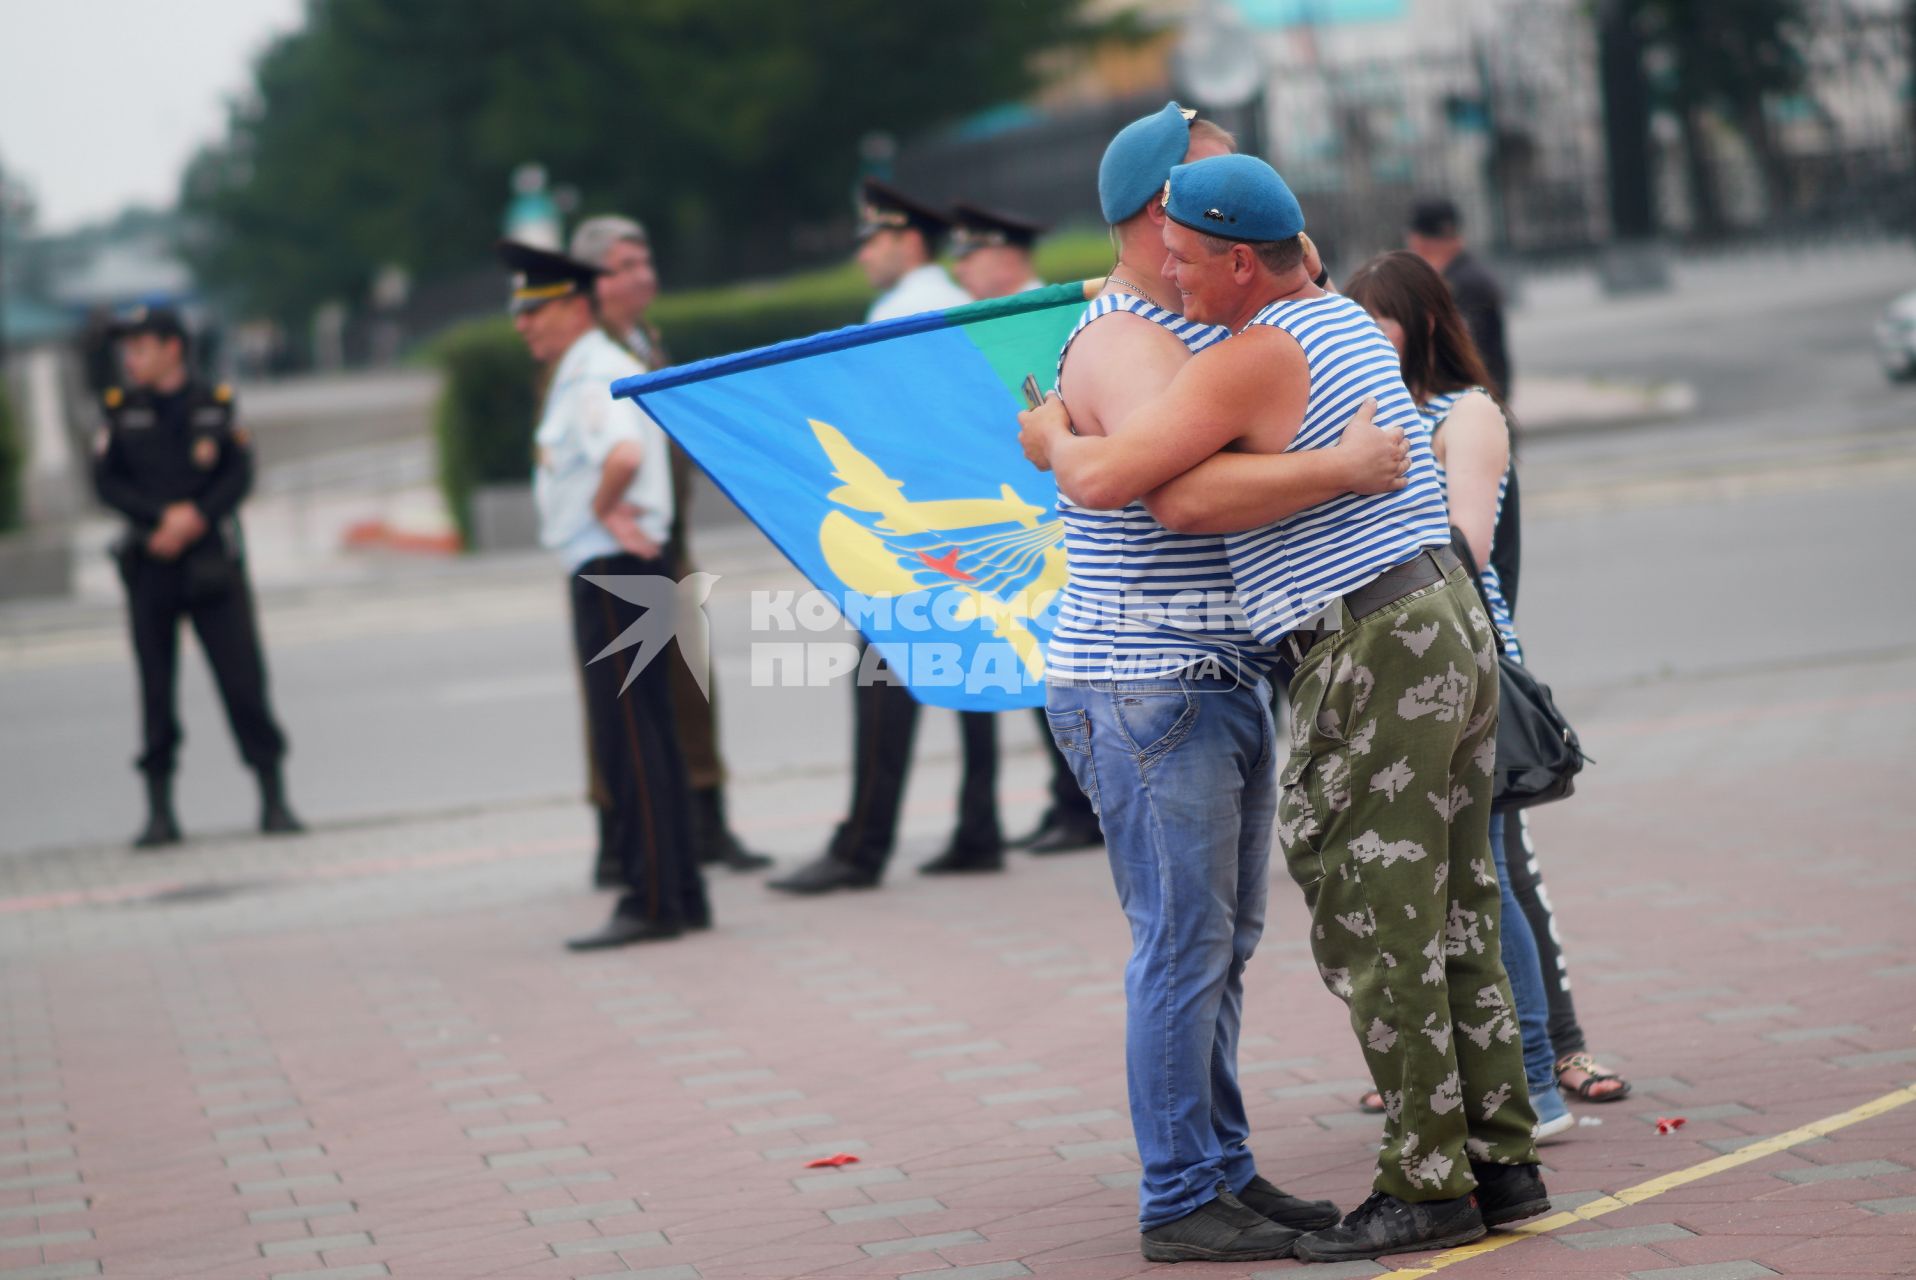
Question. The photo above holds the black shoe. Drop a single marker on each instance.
(1220, 1230)
(275, 816)
(1287, 1210)
(1062, 835)
(623, 931)
(1509, 1193)
(825, 875)
(714, 840)
(1384, 1225)
(960, 861)
(161, 827)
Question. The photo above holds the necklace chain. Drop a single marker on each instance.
(1115, 278)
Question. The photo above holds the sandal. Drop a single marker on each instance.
(1587, 1089)
(1371, 1104)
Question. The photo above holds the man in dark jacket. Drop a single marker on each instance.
(1436, 237)
(170, 458)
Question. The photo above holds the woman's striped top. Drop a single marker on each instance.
(1143, 603)
(1435, 410)
(1287, 572)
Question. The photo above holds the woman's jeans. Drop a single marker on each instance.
(1181, 771)
(1519, 948)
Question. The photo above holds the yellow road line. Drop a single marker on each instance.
(1657, 1186)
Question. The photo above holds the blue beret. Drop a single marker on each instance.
(1135, 164)
(1239, 198)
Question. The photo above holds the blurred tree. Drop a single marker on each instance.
(385, 130)
(1726, 58)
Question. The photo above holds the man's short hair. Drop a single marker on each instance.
(1436, 217)
(1203, 130)
(594, 238)
(1277, 256)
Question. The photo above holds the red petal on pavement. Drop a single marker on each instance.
(835, 1161)
(1670, 1124)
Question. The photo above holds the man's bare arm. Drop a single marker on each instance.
(1233, 491)
(1248, 383)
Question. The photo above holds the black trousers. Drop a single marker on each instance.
(635, 743)
(1069, 804)
(886, 722)
(157, 598)
(1526, 883)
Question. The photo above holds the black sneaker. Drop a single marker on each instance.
(1220, 1230)
(1509, 1193)
(1287, 1210)
(1384, 1225)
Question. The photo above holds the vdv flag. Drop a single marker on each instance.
(882, 460)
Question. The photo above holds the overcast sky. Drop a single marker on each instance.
(102, 102)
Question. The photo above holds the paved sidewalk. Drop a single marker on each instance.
(362, 1052)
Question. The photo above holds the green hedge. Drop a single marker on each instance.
(13, 457)
(485, 417)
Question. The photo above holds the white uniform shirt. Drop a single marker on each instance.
(927, 288)
(580, 426)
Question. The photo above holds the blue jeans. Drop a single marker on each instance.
(1182, 774)
(1519, 948)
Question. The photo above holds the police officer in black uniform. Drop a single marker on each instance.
(170, 459)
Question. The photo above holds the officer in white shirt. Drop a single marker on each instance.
(899, 239)
(603, 486)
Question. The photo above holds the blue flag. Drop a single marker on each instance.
(883, 460)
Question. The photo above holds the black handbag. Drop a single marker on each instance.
(1538, 754)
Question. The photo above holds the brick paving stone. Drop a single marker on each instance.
(1650, 1233)
(250, 1158)
(545, 1155)
(1705, 1115)
(698, 1056)
(583, 1212)
(777, 1124)
(267, 1130)
(497, 1104)
(1325, 1271)
(957, 1050)
(610, 1244)
(1683, 995)
(477, 1082)
(45, 1239)
(525, 1186)
(1073, 1118)
(1887, 1057)
(364, 1271)
(684, 1271)
(53, 1271)
(1707, 1271)
(1750, 1013)
(525, 1128)
(1030, 1095)
(300, 1212)
(1797, 1035)
(983, 1271)
(33, 1181)
(885, 1209)
(1082, 1150)
(921, 1244)
(42, 1209)
(298, 1183)
(733, 1101)
(998, 1071)
(1125, 1181)
(1842, 1172)
(1353, 1086)
(1901, 1204)
(848, 1177)
(810, 1150)
(726, 1077)
(924, 1030)
(314, 1244)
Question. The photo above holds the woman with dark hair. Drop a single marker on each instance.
(1471, 441)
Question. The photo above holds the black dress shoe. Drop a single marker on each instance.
(1221, 1230)
(1384, 1225)
(957, 861)
(275, 814)
(1064, 837)
(1509, 1193)
(825, 875)
(623, 931)
(1287, 1210)
(162, 828)
(714, 839)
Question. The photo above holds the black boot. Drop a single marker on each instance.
(161, 827)
(1058, 832)
(275, 816)
(1509, 1193)
(959, 860)
(1221, 1230)
(825, 875)
(608, 872)
(1384, 1225)
(1287, 1210)
(714, 840)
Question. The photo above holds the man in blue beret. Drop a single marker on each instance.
(1157, 695)
(1385, 796)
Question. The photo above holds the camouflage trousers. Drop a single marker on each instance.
(1384, 821)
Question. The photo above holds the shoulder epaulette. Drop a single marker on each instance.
(112, 397)
(223, 393)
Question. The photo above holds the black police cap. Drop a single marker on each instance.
(160, 321)
(975, 227)
(541, 275)
(883, 207)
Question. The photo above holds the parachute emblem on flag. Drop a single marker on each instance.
(1002, 555)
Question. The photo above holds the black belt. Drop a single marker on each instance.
(1432, 564)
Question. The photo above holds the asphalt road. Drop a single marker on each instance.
(1770, 533)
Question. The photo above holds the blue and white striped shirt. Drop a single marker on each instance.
(1287, 572)
(1435, 410)
(1143, 603)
